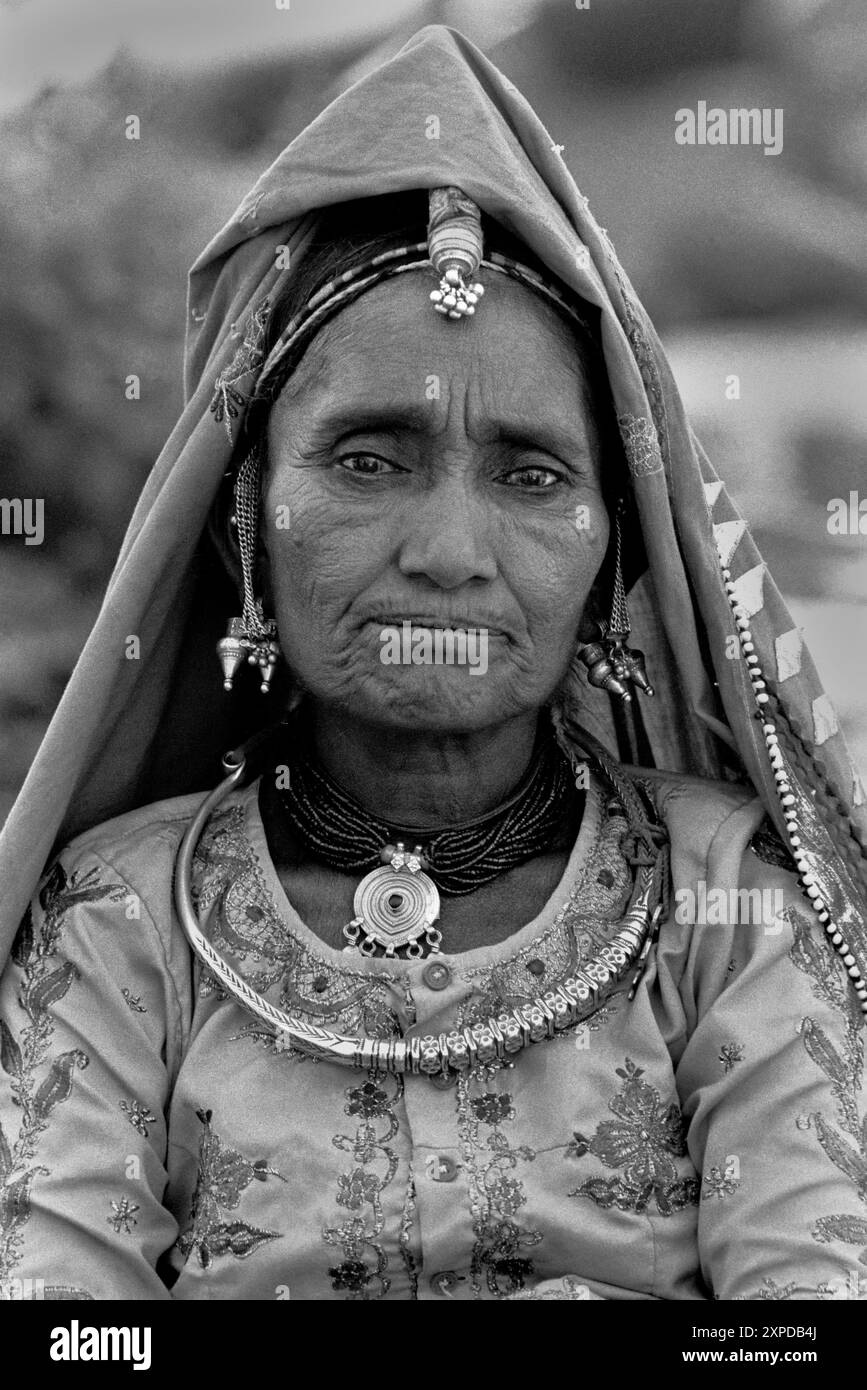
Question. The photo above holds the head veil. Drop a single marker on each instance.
(130, 731)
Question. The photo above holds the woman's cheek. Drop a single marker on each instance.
(554, 586)
(295, 512)
(565, 558)
(316, 573)
(589, 523)
(309, 578)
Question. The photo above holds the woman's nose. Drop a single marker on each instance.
(448, 538)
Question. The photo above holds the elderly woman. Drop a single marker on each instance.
(505, 961)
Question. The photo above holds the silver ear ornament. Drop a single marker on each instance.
(250, 638)
(611, 665)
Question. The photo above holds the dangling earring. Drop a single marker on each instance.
(611, 665)
(252, 637)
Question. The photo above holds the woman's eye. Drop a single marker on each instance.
(533, 477)
(368, 465)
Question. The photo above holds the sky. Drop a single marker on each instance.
(67, 41)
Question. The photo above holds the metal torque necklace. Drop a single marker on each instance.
(406, 868)
(568, 1001)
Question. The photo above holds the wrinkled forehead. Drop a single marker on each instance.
(388, 350)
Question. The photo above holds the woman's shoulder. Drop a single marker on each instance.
(683, 797)
(703, 815)
(670, 788)
(142, 830)
(119, 871)
(139, 846)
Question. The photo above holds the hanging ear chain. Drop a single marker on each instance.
(245, 519)
(252, 637)
(611, 665)
(619, 623)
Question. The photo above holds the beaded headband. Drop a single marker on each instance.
(349, 286)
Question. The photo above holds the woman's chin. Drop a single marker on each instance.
(435, 698)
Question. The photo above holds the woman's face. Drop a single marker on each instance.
(423, 475)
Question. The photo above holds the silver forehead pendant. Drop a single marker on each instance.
(396, 906)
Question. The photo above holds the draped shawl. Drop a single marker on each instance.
(129, 731)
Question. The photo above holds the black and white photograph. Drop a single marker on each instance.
(433, 614)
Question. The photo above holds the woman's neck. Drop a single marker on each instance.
(414, 778)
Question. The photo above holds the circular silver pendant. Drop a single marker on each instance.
(395, 906)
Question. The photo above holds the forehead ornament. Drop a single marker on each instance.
(454, 250)
(455, 246)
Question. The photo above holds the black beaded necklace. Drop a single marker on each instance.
(337, 829)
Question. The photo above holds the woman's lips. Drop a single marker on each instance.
(443, 624)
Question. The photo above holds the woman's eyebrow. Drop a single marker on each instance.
(338, 424)
(559, 443)
(342, 423)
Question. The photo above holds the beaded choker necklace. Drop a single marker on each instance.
(337, 829)
(406, 868)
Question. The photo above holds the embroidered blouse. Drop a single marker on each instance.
(706, 1139)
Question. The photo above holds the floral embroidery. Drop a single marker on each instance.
(224, 1175)
(633, 323)
(568, 1290)
(354, 1276)
(643, 1140)
(124, 1216)
(18, 1290)
(229, 400)
(369, 1101)
(492, 1109)
(842, 899)
(362, 1273)
(585, 923)
(356, 1189)
(411, 1258)
(134, 1001)
(44, 983)
(729, 1056)
(845, 1071)
(499, 1252)
(248, 926)
(640, 444)
(721, 1181)
(854, 1287)
(138, 1115)
(769, 1289)
(578, 1036)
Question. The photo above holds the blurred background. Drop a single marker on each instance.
(751, 265)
